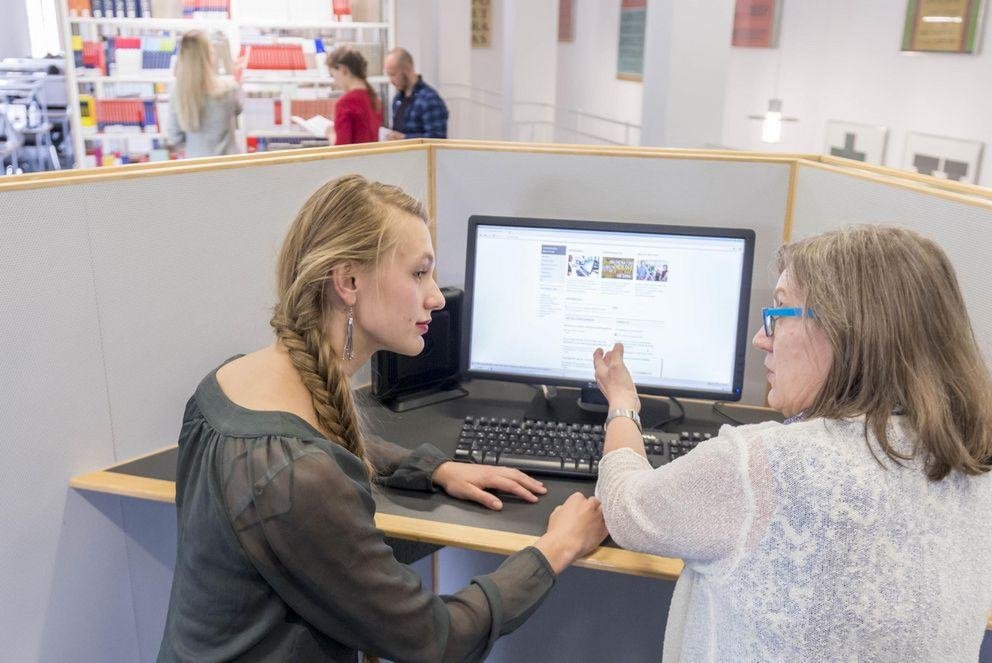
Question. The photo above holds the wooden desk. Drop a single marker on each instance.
(438, 518)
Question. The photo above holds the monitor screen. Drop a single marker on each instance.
(543, 294)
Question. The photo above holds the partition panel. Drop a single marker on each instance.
(119, 294)
(55, 423)
(184, 285)
(827, 198)
(612, 186)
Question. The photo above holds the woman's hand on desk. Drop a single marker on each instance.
(471, 482)
(575, 528)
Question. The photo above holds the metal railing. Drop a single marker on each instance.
(481, 109)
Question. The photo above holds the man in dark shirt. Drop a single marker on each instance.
(418, 110)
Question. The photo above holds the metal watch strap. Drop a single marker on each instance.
(630, 414)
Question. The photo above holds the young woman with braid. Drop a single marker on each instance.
(278, 554)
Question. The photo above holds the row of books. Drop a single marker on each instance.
(124, 55)
(268, 143)
(131, 148)
(266, 113)
(299, 54)
(274, 56)
(128, 115)
(111, 8)
(310, 11)
(150, 8)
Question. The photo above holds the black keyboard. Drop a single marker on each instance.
(557, 448)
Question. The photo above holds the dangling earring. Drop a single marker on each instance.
(349, 349)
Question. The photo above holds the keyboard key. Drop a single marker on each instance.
(533, 463)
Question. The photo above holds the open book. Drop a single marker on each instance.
(317, 125)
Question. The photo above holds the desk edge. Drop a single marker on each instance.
(615, 560)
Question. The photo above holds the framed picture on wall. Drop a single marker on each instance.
(946, 158)
(755, 23)
(566, 20)
(943, 26)
(630, 44)
(860, 142)
(482, 23)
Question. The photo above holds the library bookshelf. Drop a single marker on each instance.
(120, 58)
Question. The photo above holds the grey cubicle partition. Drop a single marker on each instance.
(118, 294)
(120, 290)
(667, 187)
(827, 197)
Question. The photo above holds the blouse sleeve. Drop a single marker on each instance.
(701, 507)
(398, 467)
(308, 528)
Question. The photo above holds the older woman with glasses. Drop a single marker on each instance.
(858, 530)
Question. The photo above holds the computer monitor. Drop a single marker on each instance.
(542, 294)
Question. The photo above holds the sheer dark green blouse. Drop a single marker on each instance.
(279, 558)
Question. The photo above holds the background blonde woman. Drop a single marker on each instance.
(204, 109)
(861, 529)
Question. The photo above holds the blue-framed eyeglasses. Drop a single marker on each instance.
(770, 314)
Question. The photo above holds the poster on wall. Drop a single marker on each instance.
(630, 44)
(482, 23)
(942, 26)
(861, 142)
(755, 23)
(946, 158)
(566, 20)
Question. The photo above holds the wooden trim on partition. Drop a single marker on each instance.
(903, 183)
(790, 201)
(432, 195)
(127, 485)
(403, 527)
(619, 151)
(949, 185)
(506, 543)
(131, 171)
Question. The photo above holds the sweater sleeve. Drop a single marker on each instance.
(345, 118)
(309, 531)
(175, 135)
(700, 508)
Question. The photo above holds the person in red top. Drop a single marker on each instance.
(358, 113)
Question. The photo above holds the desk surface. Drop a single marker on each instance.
(438, 518)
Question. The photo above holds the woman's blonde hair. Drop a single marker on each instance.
(347, 220)
(195, 79)
(888, 301)
(355, 62)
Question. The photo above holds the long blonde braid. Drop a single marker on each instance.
(345, 220)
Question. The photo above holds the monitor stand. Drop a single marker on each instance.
(587, 406)
(438, 393)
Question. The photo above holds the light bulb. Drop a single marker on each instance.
(771, 127)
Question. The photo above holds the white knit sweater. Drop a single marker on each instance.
(799, 546)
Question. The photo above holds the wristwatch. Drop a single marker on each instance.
(619, 412)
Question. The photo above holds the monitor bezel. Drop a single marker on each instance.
(745, 234)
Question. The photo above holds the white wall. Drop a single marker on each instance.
(588, 83)
(416, 32)
(841, 60)
(687, 45)
(15, 41)
(530, 41)
(835, 60)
